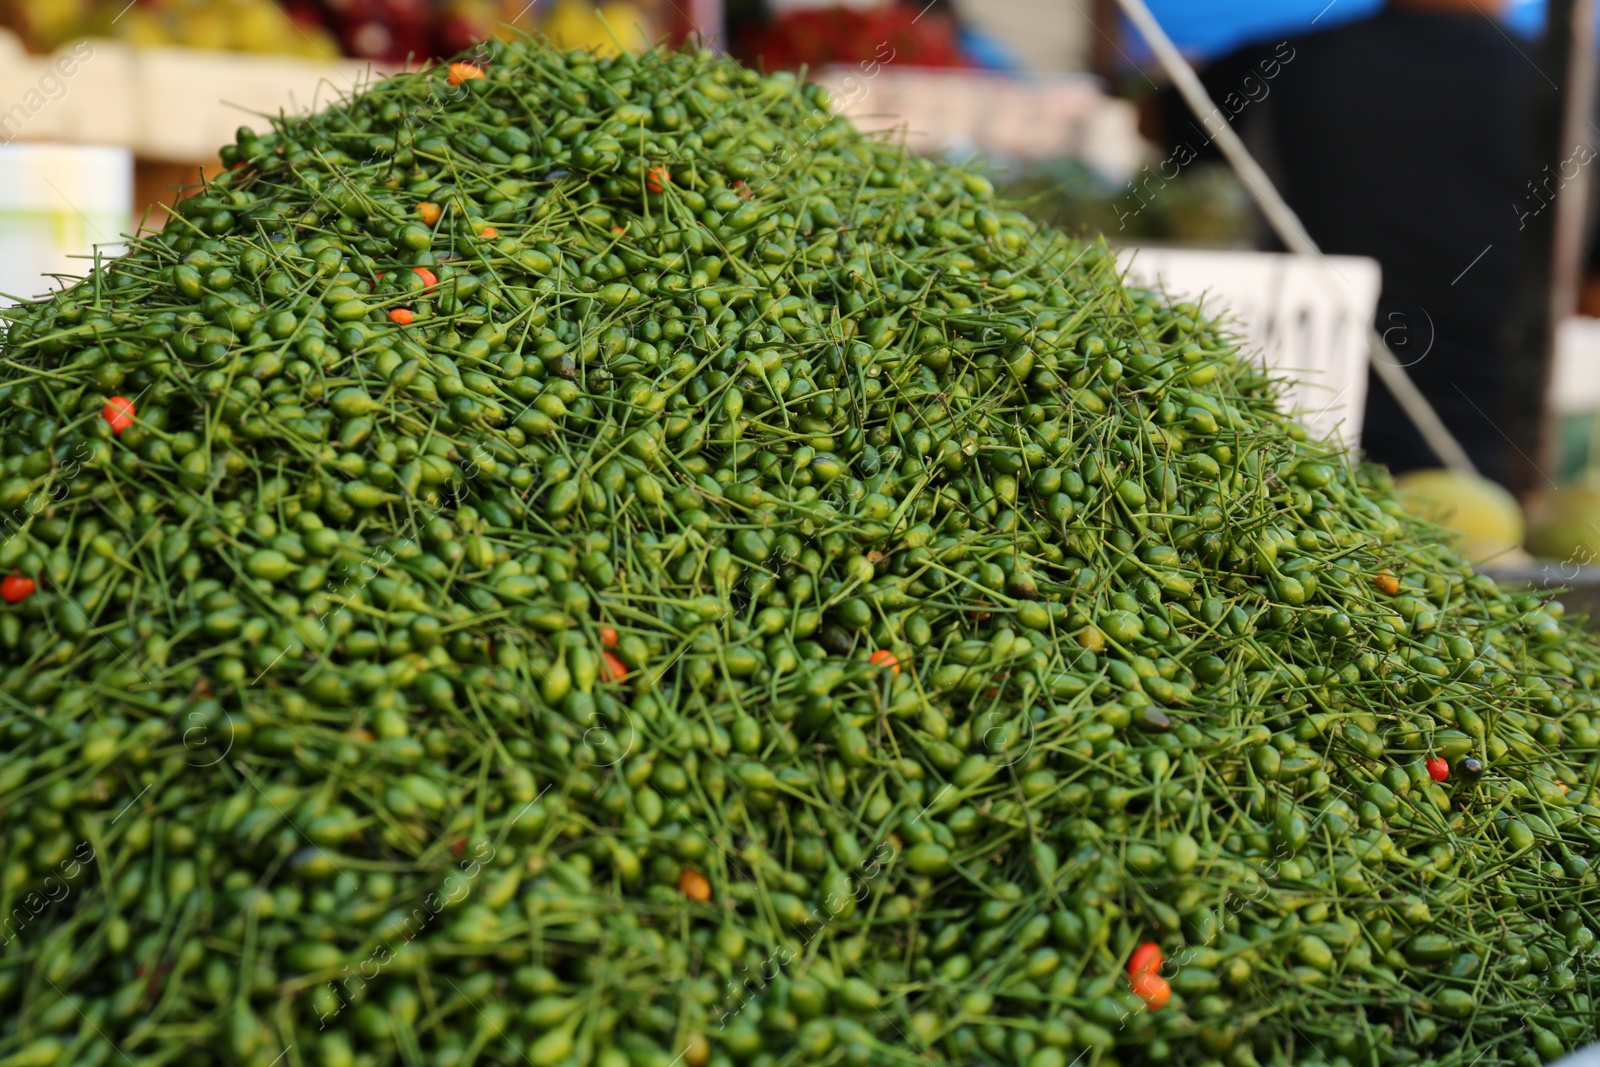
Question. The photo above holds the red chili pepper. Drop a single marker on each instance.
(15, 588)
(1438, 768)
(429, 278)
(886, 659)
(657, 178)
(1147, 957)
(401, 316)
(615, 670)
(608, 637)
(118, 411)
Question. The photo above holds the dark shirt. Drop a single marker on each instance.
(1402, 137)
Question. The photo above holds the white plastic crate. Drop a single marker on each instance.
(1307, 319)
(1043, 116)
(1575, 376)
(58, 204)
(178, 104)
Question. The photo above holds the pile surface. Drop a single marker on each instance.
(612, 567)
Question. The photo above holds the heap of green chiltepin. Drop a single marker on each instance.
(614, 567)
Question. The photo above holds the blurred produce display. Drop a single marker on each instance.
(897, 33)
(386, 31)
(389, 31)
(574, 24)
(223, 25)
(1204, 206)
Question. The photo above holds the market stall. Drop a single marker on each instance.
(605, 558)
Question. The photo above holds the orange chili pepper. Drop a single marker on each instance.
(657, 178)
(1387, 582)
(489, 231)
(429, 278)
(401, 316)
(694, 885)
(886, 659)
(430, 212)
(608, 637)
(461, 72)
(1153, 989)
(615, 670)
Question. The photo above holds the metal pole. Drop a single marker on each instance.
(1293, 233)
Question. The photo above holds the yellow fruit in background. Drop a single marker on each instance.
(1485, 513)
(205, 28)
(48, 23)
(1564, 525)
(314, 42)
(143, 29)
(574, 24)
(260, 26)
(630, 23)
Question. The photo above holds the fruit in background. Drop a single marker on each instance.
(45, 25)
(258, 26)
(1485, 513)
(1565, 524)
(575, 24)
(459, 24)
(390, 31)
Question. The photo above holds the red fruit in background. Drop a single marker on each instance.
(895, 34)
(459, 24)
(390, 31)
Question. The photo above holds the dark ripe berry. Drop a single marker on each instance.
(1469, 768)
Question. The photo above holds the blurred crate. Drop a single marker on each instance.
(60, 204)
(1023, 117)
(1307, 321)
(162, 103)
(1575, 373)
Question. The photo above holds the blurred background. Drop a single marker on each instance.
(1438, 151)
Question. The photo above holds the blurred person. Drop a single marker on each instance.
(1403, 137)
